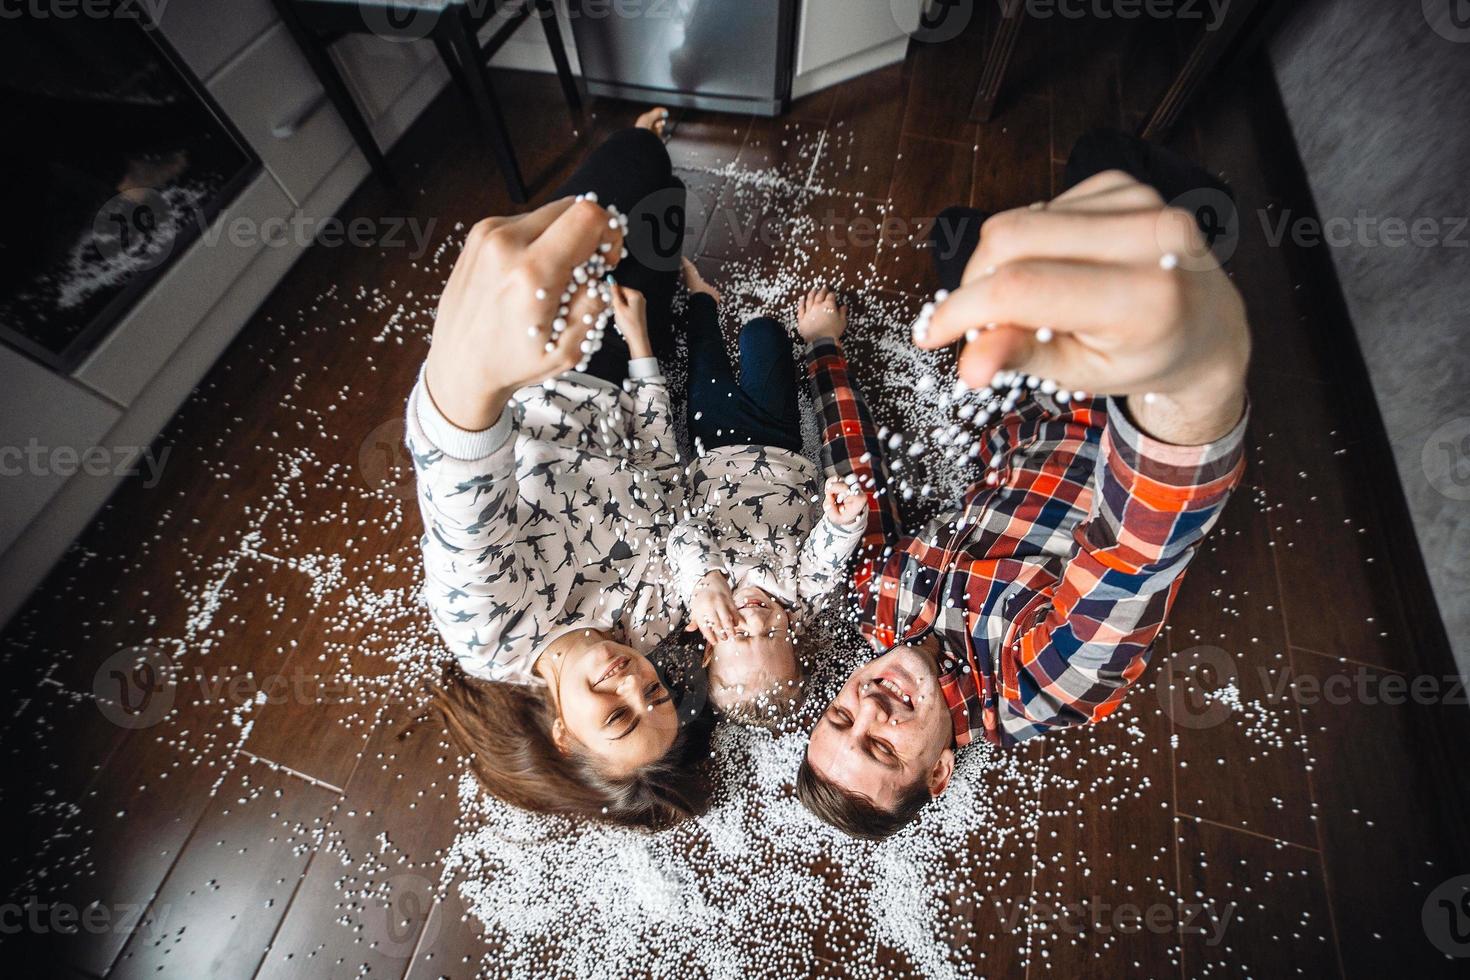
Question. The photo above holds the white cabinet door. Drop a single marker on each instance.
(834, 30)
(47, 426)
(379, 70)
(272, 96)
(207, 33)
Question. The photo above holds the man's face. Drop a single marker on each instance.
(888, 728)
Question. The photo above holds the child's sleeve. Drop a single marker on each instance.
(693, 554)
(824, 557)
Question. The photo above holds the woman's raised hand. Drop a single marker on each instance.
(502, 322)
(820, 314)
(1105, 290)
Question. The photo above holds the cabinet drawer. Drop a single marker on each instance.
(273, 98)
(206, 34)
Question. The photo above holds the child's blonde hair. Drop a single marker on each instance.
(773, 711)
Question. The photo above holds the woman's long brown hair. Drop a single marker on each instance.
(504, 730)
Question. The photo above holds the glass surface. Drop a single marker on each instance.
(703, 47)
(113, 162)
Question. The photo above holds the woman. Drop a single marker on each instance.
(548, 477)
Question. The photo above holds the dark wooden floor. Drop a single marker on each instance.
(273, 566)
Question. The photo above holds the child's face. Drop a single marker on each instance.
(759, 656)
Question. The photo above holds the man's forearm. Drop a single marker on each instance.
(1193, 420)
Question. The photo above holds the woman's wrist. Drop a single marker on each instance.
(466, 403)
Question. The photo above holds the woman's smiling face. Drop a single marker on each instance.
(612, 703)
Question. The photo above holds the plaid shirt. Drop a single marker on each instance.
(1048, 583)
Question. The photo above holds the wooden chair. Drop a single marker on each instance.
(1245, 23)
(452, 25)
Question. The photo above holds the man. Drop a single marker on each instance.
(1033, 603)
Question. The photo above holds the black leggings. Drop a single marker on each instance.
(956, 233)
(632, 171)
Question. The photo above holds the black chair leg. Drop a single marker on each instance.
(997, 62)
(331, 80)
(546, 13)
(460, 34)
(451, 63)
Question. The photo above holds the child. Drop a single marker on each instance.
(754, 559)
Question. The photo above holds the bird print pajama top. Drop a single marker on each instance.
(555, 519)
(756, 518)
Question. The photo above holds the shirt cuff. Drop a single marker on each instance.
(859, 523)
(1170, 465)
(823, 345)
(449, 438)
(644, 369)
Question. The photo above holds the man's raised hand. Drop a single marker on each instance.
(1105, 290)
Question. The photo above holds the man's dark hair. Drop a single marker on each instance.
(852, 813)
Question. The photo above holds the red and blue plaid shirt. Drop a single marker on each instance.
(1048, 583)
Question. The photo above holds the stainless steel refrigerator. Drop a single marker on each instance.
(729, 55)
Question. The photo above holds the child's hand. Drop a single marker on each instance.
(821, 315)
(630, 314)
(843, 504)
(713, 610)
(696, 284)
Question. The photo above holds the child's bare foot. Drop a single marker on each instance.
(696, 282)
(655, 119)
(821, 315)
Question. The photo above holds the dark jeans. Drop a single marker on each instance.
(956, 232)
(632, 171)
(759, 407)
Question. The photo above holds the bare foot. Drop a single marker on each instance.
(655, 119)
(696, 282)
